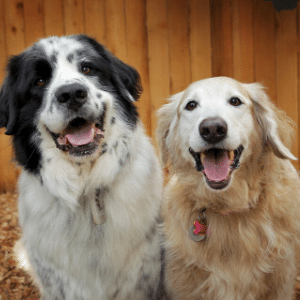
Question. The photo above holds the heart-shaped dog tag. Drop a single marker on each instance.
(197, 231)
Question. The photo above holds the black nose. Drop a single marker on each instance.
(213, 130)
(73, 95)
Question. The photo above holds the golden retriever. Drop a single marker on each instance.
(232, 207)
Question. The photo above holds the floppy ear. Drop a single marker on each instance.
(126, 79)
(8, 101)
(166, 115)
(276, 126)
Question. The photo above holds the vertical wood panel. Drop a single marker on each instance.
(287, 66)
(116, 28)
(200, 39)
(34, 21)
(14, 24)
(2, 42)
(7, 169)
(73, 16)
(222, 42)
(158, 53)
(179, 53)
(137, 57)
(265, 46)
(94, 15)
(14, 37)
(53, 17)
(243, 61)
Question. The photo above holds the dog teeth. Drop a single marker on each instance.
(231, 155)
(202, 155)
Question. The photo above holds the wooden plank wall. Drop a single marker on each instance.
(171, 43)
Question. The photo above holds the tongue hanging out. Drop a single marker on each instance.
(216, 165)
(80, 137)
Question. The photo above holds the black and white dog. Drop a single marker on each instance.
(91, 185)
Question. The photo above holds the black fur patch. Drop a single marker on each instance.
(20, 99)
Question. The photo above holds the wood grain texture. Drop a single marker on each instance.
(222, 38)
(2, 42)
(73, 16)
(287, 66)
(158, 54)
(94, 16)
(13, 29)
(53, 17)
(200, 39)
(243, 58)
(179, 53)
(34, 21)
(264, 47)
(137, 56)
(116, 39)
(14, 26)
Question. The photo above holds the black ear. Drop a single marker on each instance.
(8, 99)
(126, 79)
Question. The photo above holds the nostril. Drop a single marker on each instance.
(81, 94)
(221, 130)
(204, 131)
(64, 97)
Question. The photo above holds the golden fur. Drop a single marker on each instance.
(254, 224)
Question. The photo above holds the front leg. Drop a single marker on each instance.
(53, 286)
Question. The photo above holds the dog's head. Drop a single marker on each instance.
(217, 124)
(62, 90)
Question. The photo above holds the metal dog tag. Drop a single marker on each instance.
(197, 231)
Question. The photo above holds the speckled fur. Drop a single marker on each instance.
(89, 224)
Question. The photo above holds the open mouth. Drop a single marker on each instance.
(217, 165)
(80, 138)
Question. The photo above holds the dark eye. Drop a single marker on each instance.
(40, 82)
(86, 69)
(191, 105)
(235, 101)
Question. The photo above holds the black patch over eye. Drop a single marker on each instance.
(235, 101)
(42, 72)
(191, 105)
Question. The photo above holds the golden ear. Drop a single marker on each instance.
(166, 115)
(274, 123)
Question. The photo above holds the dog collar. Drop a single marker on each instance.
(198, 230)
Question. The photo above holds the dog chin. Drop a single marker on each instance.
(217, 165)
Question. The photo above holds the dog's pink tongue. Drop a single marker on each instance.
(81, 137)
(216, 169)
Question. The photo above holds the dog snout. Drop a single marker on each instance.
(73, 95)
(213, 130)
